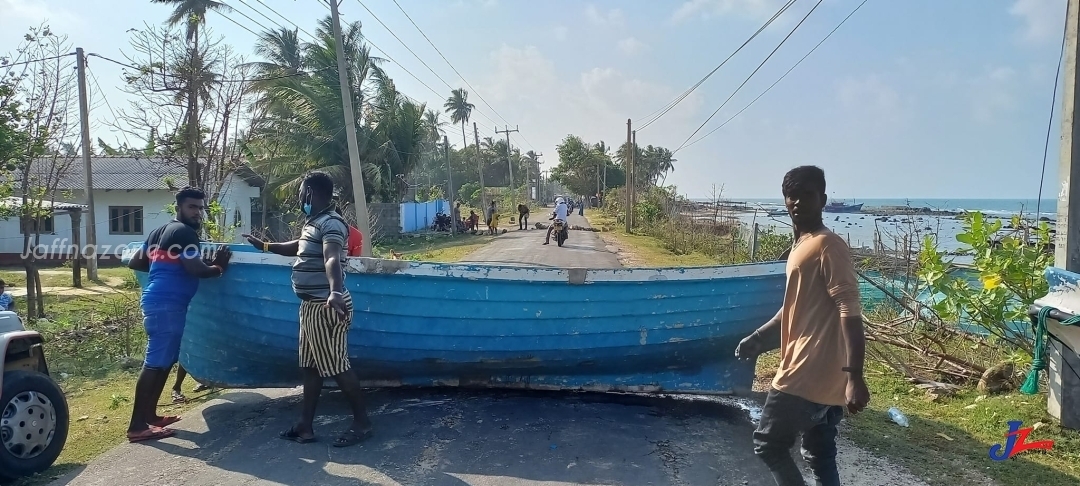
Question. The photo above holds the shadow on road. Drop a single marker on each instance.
(454, 437)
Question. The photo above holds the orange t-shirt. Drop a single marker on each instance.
(822, 287)
(356, 242)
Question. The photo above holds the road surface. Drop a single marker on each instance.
(457, 438)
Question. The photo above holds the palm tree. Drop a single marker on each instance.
(459, 108)
(193, 14)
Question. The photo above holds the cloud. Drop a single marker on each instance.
(871, 99)
(613, 17)
(593, 103)
(630, 46)
(560, 32)
(993, 94)
(706, 9)
(1042, 19)
(19, 15)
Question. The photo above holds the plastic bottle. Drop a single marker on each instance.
(897, 416)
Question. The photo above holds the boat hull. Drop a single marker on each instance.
(853, 208)
(427, 324)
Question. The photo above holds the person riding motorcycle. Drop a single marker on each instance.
(559, 213)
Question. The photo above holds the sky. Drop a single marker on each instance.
(908, 99)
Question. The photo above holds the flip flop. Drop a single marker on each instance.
(294, 436)
(152, 433)
(201, 387)
(350, 437)
(165, 421)
(178, 397)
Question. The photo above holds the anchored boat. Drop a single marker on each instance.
(430, 324)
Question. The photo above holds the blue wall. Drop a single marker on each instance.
(417, 216)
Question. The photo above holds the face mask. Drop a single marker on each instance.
(306, 207)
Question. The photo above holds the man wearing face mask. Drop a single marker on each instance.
(173, 258)
(326, 308)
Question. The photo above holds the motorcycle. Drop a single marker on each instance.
(561, 233)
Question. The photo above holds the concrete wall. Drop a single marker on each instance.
(235, 197)
(386, 220)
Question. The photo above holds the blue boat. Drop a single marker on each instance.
(462, 325)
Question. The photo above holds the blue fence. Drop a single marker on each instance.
(417, 216)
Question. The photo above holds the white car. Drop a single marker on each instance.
(33, 409)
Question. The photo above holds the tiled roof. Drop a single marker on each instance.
(128, 173)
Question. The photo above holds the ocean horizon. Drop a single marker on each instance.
(995, 207)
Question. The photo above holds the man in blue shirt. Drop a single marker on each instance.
(173, 257)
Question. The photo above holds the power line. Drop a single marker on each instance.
(433, 46)
(686, 93)
(448, 85)
(781, 77)
(1050, 123)
(750, 76)
(21, 63)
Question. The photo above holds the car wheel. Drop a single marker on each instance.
(33, 423)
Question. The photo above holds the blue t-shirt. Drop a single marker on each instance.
(170, 285)
(6, 301)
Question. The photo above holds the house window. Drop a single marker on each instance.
(125, 220)
(44, 224)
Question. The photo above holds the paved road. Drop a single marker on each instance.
(454, 437)
(526, 248)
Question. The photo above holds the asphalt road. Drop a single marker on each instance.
(453, 437)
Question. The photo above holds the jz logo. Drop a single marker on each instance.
(1016, 442)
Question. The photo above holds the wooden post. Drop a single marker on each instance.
(76, 247)
(1063, 400)
(480, 163)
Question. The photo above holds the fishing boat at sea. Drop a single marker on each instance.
(842, 207)
(426, 324)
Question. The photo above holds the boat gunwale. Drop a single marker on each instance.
(485, 271)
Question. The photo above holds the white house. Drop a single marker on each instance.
(131, 196)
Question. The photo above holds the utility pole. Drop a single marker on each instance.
(355, 170)
(536, 162)
(480, 161)
(91, 222)
(450, 182)
(1063, 400)
(629, 158)
(509, 163)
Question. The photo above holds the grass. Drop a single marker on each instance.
(59, 276)
(948, 440)
(640, 250)
(94, 345)
(441, 248)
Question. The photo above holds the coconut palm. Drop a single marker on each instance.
(460, 110)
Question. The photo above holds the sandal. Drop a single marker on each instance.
(165, 421)
(152, 433)
(350, 437)
(178, 397)
(201, 387)
(294, 436)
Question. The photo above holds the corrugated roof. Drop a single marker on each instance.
(129, 173)
(15, 202)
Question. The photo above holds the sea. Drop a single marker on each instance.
(858, 228)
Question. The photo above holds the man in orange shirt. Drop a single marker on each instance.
(356, 242)
(819, 331)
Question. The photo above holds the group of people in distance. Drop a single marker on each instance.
(818, 329)
(173, 258)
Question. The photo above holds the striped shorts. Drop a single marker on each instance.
(324, 337)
